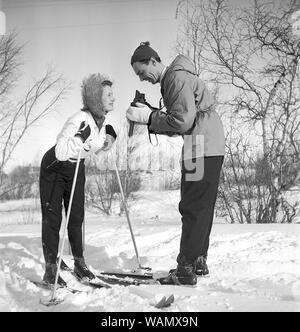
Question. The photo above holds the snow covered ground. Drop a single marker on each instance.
(252, 267)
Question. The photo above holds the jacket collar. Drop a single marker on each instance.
(162, 75)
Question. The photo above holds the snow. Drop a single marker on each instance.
(252, 267)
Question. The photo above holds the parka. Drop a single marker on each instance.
(190, 112)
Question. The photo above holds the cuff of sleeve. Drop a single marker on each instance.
(110, 131)
(150, 130)
(79, 136)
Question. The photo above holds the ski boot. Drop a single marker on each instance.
(201, 266)
(50, 274)
(184, 274)
(81, 270)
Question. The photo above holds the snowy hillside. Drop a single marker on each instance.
(252, 267)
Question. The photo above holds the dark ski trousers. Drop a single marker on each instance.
(56, 179)
(196, 207)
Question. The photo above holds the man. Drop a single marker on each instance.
(190, 112)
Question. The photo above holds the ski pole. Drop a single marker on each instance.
(65, 226)
(128, 219)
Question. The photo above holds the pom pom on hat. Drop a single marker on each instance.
(143, 52)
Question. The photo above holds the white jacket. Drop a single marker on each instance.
(68, 146)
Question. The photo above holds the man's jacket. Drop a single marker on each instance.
(190, 111)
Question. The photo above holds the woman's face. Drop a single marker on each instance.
(108, 99)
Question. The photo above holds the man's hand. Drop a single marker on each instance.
(139, 114)
(84, 131)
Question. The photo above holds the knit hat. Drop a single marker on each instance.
(143, 52)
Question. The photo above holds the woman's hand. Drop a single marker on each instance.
(110, 138)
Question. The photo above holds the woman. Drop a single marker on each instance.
(85, 131)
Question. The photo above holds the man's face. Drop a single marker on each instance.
(147, 72)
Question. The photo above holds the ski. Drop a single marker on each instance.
(113, 279)
(47, 301)
(95, 283)
(91, 283)
(44, 285)
(107, 280)
(145, 276)
(118, 274)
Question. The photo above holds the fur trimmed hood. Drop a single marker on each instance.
(91, 91)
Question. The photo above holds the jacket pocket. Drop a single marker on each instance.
(50, 163)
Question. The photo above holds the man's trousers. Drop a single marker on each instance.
(198, 197)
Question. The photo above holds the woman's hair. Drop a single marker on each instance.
(91, 91)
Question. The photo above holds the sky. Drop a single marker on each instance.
(83, 37)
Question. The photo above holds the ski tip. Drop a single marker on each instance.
(165, 302)
(170, 299)
(161, 303)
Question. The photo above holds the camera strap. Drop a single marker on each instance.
(149, 135)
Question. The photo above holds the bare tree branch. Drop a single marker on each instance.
(19, 115)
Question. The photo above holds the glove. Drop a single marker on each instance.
(140, 114)
(83, 132)
(108, 143)
(110, 138)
